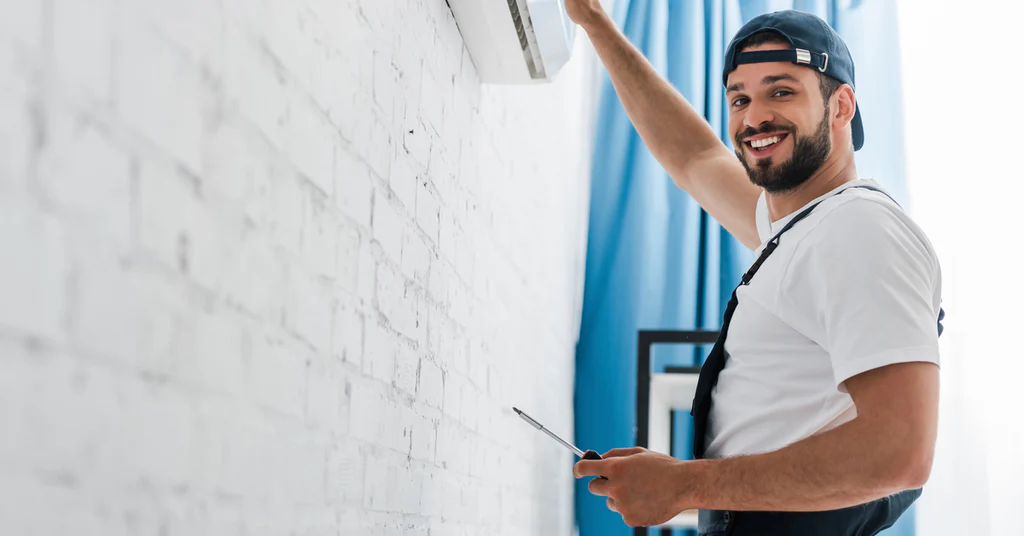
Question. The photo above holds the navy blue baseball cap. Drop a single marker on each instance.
(815, 45)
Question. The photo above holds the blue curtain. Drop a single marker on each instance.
(655, 260)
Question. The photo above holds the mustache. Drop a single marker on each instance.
(764, 129)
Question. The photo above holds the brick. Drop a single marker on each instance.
(482, 274)
(397, 302)
(388, 228)
(370, 411)
(300, 473)
(33, 276)
(194, 26)
(124, 314)
(17, 130)
(310, 142)
(459, 302)
(403, 181)
(424, 439)
(254, 86)
(276, 376)
(434, 317)
(209, 354)
(157, 423)
(294, 41)
(431, 385)
(453, 486)
(320, 237)
(168, 206)
(347, 339)
(398, 437)
(415, 257)
(34, 392)
(485, 415)
(235, 163)
(432, 100)
(350, 106)
(309, 310)
(353, 187)
(427, 211)
(447, 240)
(88, 177)
(284, 206)
(453, 390)
(451, 347)
(159, 94)
(22, 26)
(83, 45)
(479, 359)
(407, 369)
(375, 496)
(209, 234)
(255, 278)
(379, 352)
(406, 485)
(384, 81)
(465, 256)
(439, 277)
(328, 38)
(325, 396)
(345, 466)
(366, 279)
(374, 144)
(469, 413)
(416, 140)
(346, 272)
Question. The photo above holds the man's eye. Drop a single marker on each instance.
(739, 102)
(782, 93)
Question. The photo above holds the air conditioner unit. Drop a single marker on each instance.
(515, 41)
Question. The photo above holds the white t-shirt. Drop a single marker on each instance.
(852, 287)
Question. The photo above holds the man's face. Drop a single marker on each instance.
(778, 121)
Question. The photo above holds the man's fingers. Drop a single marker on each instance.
(618, 453)
(587, 468)
(599, 486)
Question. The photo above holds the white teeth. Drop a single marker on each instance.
(765, 142)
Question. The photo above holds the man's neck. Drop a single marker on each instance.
(831, 175)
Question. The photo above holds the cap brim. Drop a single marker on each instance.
(858, 130)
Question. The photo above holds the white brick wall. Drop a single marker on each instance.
(281, 267)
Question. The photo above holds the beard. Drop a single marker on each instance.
(809, 153)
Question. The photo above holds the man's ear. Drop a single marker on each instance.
(844, 105)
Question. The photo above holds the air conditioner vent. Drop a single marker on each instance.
(515, 41)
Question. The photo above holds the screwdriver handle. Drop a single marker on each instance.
(591, 455)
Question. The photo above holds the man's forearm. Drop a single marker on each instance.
(846, 466)
(669, 126)
(679, 137)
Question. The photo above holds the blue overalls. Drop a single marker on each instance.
(861, 520)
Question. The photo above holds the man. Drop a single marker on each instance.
(817, 411)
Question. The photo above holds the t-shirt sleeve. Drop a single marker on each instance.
(865, 287)
(761, 218)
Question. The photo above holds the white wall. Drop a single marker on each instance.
(966, 187)
(279, 267)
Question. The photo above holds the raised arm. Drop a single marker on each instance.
(677, 136)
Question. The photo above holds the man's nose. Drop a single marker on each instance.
(758, 115)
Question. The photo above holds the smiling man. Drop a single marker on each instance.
(816, 411)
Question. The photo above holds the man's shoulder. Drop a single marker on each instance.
(861, 236)
(858, 215)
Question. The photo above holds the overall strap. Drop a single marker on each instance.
(774, 242)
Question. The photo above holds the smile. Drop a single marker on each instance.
(764, 146)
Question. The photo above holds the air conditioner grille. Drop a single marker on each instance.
(527, 39)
